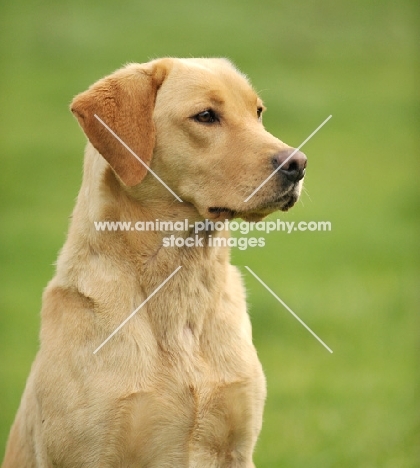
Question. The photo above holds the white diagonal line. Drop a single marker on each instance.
(138, 308)
(285, 161)
(289, 309)
(135, 155)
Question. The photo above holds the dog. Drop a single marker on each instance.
(180, 384)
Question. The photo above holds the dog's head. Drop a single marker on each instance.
(198, 124)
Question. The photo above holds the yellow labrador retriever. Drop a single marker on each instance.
(180, 384)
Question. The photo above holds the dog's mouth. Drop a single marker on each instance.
(221, 212)
(282, 203)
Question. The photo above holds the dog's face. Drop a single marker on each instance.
(200, 127)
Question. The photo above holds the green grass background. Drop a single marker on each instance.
(356, 286)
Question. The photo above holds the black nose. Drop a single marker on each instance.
(292, 167)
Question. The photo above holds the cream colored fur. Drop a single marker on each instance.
(180, 385)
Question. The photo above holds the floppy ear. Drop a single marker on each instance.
(124, 101)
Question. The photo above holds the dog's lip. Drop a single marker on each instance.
(220, 212)
(282, 203)
(219, 209)
(286, 202)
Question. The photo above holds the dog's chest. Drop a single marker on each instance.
(192, 413)
(205, 397)
(189, 386)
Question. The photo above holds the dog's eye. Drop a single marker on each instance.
(208, 116)
(259, 112)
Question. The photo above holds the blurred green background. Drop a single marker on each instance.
(356, 286)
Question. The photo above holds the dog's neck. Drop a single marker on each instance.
(125, 266)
